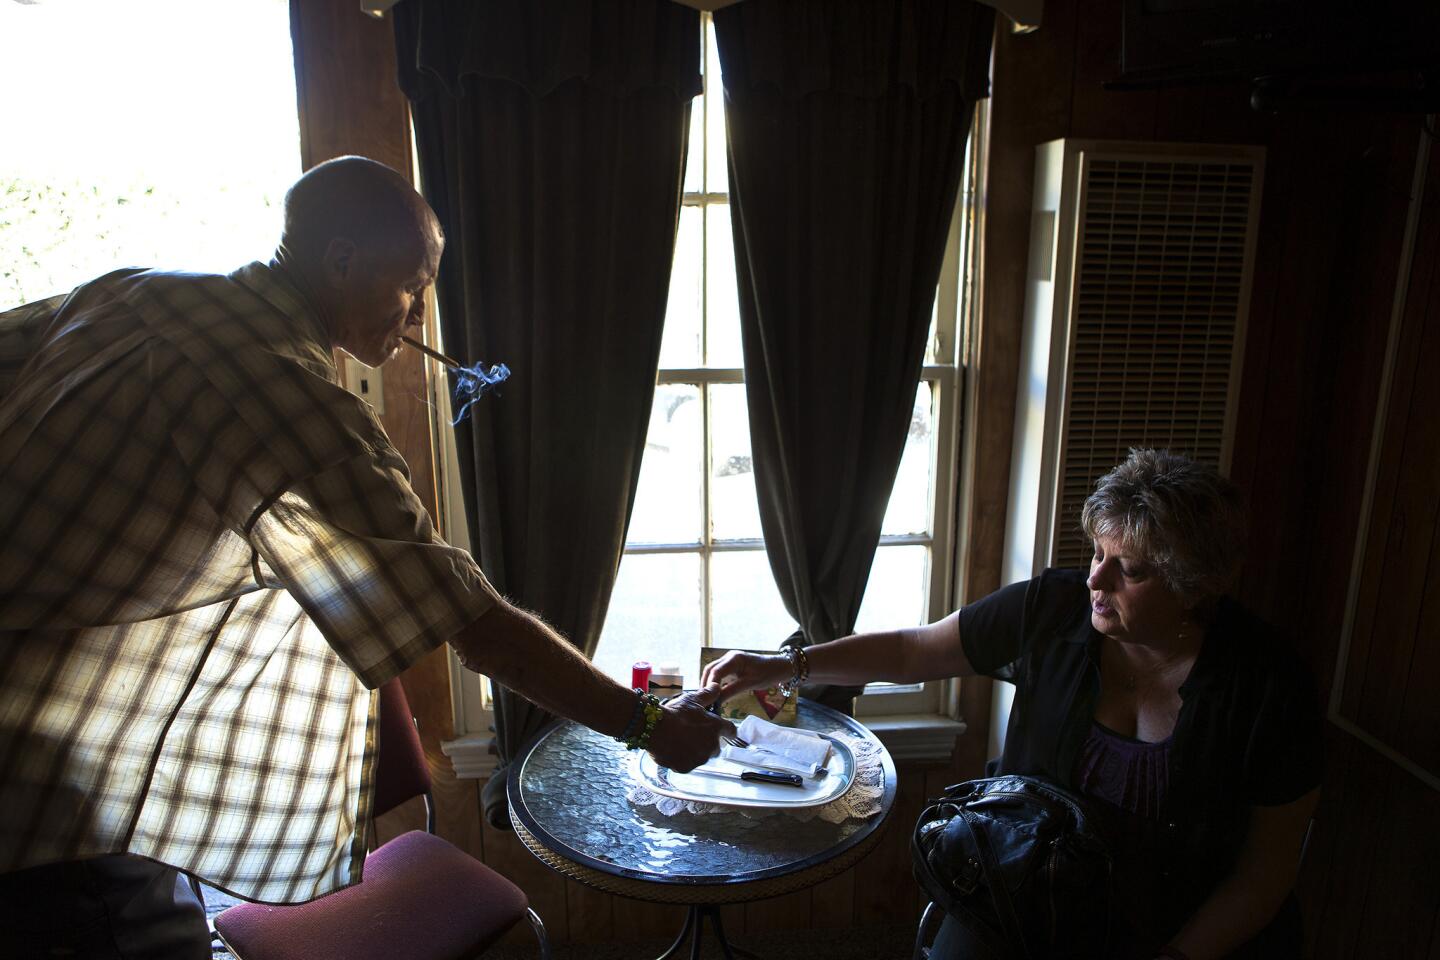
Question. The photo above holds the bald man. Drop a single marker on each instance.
(211, 556)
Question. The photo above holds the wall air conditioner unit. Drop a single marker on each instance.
(1137, 292)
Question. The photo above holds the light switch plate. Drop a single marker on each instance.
(366, 383)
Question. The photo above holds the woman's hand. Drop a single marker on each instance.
(737, 672)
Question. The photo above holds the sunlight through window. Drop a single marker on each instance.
(155, 133)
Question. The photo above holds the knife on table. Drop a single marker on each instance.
(754, 776)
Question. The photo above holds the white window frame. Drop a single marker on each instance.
(928, 732)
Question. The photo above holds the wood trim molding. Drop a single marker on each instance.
(1358, 568)
(350, 103)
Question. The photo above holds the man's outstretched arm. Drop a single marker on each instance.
(524, 653)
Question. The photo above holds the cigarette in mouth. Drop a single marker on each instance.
(434, 354)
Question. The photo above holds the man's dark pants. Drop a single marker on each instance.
(105, 908)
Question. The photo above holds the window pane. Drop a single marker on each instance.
(932, 337)
(717, 180)
(92, 181)
(745, 603)
(680, 347)
(898, 589)
(667, 503)
(911, 498)
(734, 511)
(722, 320)
(739, 605)
(654, 615)
(695, 152)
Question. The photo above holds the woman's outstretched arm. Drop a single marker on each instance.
(908, 655)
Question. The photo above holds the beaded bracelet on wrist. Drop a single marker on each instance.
(637, 718)
(648, 707)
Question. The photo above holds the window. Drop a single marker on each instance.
(137, 135)
(695, 572)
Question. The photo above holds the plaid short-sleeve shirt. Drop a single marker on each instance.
(208, 552)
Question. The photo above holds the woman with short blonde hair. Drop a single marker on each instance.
(1188, 729)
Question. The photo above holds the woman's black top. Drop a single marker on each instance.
(1248, 734)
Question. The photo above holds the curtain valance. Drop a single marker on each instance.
(541, 44)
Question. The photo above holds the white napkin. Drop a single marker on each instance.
(759, 759)
(774, 747)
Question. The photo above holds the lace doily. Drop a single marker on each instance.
(860, 802)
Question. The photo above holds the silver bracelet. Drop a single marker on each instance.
(799, 669)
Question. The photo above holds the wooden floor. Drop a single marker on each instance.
(864, 943)
(216, 901)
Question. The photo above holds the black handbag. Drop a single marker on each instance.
(1021, 867)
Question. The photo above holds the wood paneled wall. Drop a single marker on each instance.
(1371, 881)
(1333, 213)
(1401, 566)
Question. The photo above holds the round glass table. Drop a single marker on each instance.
(568, 805)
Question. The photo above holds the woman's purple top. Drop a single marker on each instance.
(1129, 778)
(1127, 773)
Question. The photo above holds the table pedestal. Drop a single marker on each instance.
(695, 927)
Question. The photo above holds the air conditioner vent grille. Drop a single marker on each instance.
(1159, 281)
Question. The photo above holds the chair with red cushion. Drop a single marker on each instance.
(422, 898)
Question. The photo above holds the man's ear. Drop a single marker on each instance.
(339, 261)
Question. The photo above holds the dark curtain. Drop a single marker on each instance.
(847, 126)
(551, 139)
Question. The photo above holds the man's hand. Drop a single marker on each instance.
(687, 733)
(518, 649)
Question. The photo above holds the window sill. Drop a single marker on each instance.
(473, 755)
(916, 736)
(908, 737)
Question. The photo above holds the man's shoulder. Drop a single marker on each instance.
(167, 301)
(182, 292)
(235, 320)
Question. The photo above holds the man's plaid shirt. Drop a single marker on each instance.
(208, 551)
